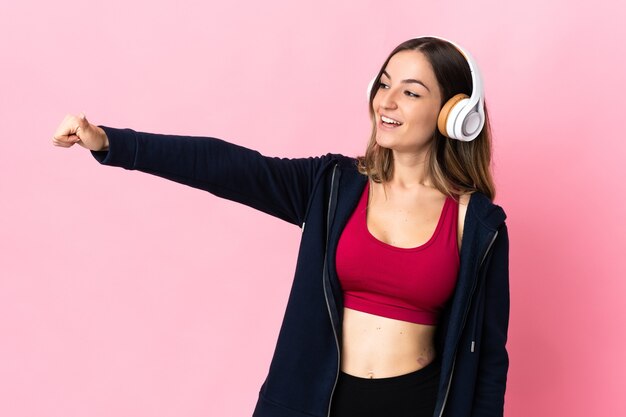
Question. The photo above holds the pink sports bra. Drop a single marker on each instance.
(409, 284)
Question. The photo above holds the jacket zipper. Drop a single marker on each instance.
(324, 275)
(445, 398)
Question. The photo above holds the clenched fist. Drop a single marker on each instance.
(76, 129)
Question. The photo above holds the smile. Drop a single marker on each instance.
(389, 121)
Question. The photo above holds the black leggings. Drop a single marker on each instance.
(410, 395)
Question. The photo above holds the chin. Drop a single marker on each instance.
(385, 142)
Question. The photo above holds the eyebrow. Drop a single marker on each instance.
(409, 81)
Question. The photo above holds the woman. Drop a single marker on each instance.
(400, 300)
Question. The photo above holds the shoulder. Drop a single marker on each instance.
(347, 165)
(483, 210)
(464, 200)
(477, 209)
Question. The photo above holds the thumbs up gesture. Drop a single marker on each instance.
(76, 129)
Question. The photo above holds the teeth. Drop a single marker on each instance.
(388, 120)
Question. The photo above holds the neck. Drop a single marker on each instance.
(410, 170)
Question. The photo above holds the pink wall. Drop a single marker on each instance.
(113, 284)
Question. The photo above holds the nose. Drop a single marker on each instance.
(387, 99)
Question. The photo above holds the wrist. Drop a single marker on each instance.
(105, 140)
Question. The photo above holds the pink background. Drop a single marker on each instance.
(122, 294)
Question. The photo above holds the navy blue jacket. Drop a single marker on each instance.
(318, 194)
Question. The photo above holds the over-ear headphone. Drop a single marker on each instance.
(462, 117)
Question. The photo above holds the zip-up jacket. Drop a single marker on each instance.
(319, 194)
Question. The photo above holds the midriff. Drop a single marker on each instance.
(380, 347)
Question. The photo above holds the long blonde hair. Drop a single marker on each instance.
(455, 167)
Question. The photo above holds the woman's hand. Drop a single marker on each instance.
(76, 129)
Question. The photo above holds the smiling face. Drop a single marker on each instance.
(407, 103)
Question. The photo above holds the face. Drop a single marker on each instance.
(409, 95)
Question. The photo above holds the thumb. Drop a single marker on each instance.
(82, 121)
(83, 124)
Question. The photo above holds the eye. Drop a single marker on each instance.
(410, 94)
(382, 85)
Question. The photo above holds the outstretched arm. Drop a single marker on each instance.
(277, 186)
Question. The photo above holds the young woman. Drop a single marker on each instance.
(400, 300)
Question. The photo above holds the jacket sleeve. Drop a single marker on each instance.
(494, 360)
(277, 186)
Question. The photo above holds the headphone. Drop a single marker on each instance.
(462, 117)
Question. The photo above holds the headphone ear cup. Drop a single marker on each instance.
(448, 113)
